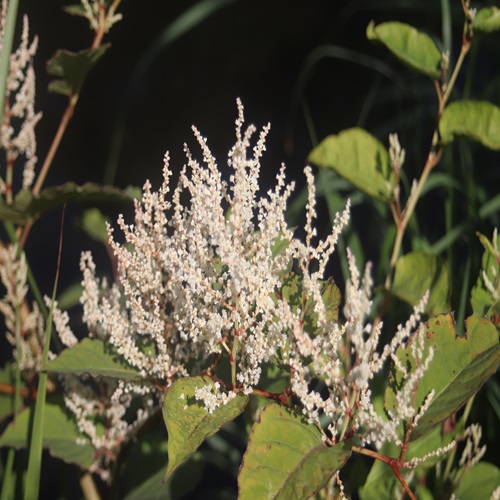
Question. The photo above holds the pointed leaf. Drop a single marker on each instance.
(95, 357)
(60, 434)
(94, 224)
(360, 158)
(286, 457)
(487, 20)
(415, 49)
(71, 68)
(189, 423)
(417, 272)
(476, 120)
(75, 10)
(26, 208)
(459, 368)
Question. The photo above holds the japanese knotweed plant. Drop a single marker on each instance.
(220, 313)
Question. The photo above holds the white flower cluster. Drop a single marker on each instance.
(345, 359)
(25, 327)
(202, 278)
(17, 131)
(99, 15)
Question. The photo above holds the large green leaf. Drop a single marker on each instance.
(459, 368)
(360, 158)
(189, 423)
(27, 207)
(417, 272)
(95, 357)
(60, 434)
(286, 457)
(476, 120)
(481, 299)
(479, 482)
(71, 68)
(412, 47)
(487, 20)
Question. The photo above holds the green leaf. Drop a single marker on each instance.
(360, 158)
(457, 371)
(417, 272)
(94, 224)
(479, 482)
(476, 120)
(7, 379)
(293, 292)
(188, 423)
(415, 49)
(487, 20)
(60, 434)
(27, 208)
(70, 297)
(95, 357)
(75, 10)
(286, 457)
(481, 299)
(71, 68)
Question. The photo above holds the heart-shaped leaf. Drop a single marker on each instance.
(189, 423)
(412, 47)
(360, 158)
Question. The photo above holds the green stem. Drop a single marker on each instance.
(35, 452)
(8, 39)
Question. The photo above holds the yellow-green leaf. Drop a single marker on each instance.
(359, 158)
(476, 120)
(412, 47)
(286, 457)
(417, 272)
(459, 368)
(189, 423)
(487, 20)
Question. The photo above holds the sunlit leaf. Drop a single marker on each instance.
(487, 20)
(360, 158)
(71, 68)
(286, 457)
(412, 47)
(189, 423)
(476, 120)
(60, 434)
(417, 272)
(459, 368)
(94, 357)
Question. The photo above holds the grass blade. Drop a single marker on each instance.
(35, 453)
